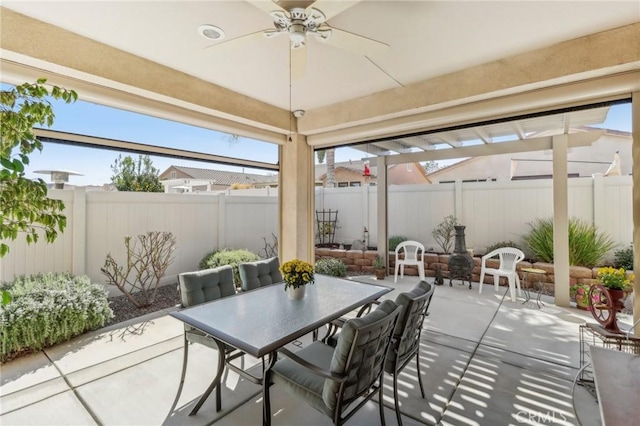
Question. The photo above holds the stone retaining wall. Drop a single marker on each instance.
(362, 261)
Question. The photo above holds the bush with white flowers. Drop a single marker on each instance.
(47, 309)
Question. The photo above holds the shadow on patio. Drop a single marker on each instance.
(485, 361)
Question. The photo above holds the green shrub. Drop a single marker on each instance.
(206, 261)
(331, 266)
(502, 244)
(48, 309)
(394, 241)
(229, 257)
(623, 258)
(587, 246)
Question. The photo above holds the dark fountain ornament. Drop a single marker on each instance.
(460, 262)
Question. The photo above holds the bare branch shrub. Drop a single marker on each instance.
(148, 258)
(445, 232)
(270, 249)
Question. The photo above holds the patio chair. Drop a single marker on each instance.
(413, 256)
(406, 336)
(405, 345)
(196, 288)
(509, 258)
(331, 379)
(260, 273)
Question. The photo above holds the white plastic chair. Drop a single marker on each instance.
(509, 258)
(413, 256)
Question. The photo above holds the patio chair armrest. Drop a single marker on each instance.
(365, 309)
(312, 367)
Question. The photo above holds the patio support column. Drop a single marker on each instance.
(635, 152)
(382, 203)
(296, 200)
(560, 220)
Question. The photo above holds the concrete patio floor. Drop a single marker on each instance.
(485, 361)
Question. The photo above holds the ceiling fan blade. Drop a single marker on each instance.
(355, 43)
(331, 8)
(266, 6)
(298, 63)
(238, 41)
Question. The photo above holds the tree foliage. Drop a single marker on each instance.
(431, 166)
(24, 206)
(330, 155)
(136, 176)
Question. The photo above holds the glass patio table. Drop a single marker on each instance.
(260, 321)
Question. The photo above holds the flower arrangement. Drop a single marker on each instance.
(614, 279)
(296, 273)
(581, 294)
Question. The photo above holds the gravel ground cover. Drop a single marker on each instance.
(123, 309)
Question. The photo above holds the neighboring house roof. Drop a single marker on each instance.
(581, 161)
(219, 177)
(355, 166)
(396, 178)
(226, 178)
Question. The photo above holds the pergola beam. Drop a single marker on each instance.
(53, 136)
(526, 145)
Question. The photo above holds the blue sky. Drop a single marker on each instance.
(97, 120)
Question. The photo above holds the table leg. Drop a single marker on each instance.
(538, 301)
(215, 383)
(266, 383)
(525, 287)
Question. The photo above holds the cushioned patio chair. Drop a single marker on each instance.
(509, 258)
(331, 379)
(405, 345)
(413, 256)
(196, 288)
(260, 273)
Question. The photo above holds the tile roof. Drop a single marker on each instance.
(356, 166)
(221, 177)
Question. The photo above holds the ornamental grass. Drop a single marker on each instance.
(587, 245)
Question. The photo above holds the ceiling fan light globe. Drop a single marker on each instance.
(297, 34)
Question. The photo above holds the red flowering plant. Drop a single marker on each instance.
(581, 293)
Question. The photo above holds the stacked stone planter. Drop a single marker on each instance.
(359, 261)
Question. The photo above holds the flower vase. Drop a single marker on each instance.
(296, 293)
(617, 297)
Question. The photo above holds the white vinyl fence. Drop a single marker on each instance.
(98, 222)
(491, 212)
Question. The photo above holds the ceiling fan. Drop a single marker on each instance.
(301, 23)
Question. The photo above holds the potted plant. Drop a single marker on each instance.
(581, 294)
(379, 267)
(296, 274)
(617, 281)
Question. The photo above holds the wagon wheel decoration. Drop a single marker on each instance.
(602, 309)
